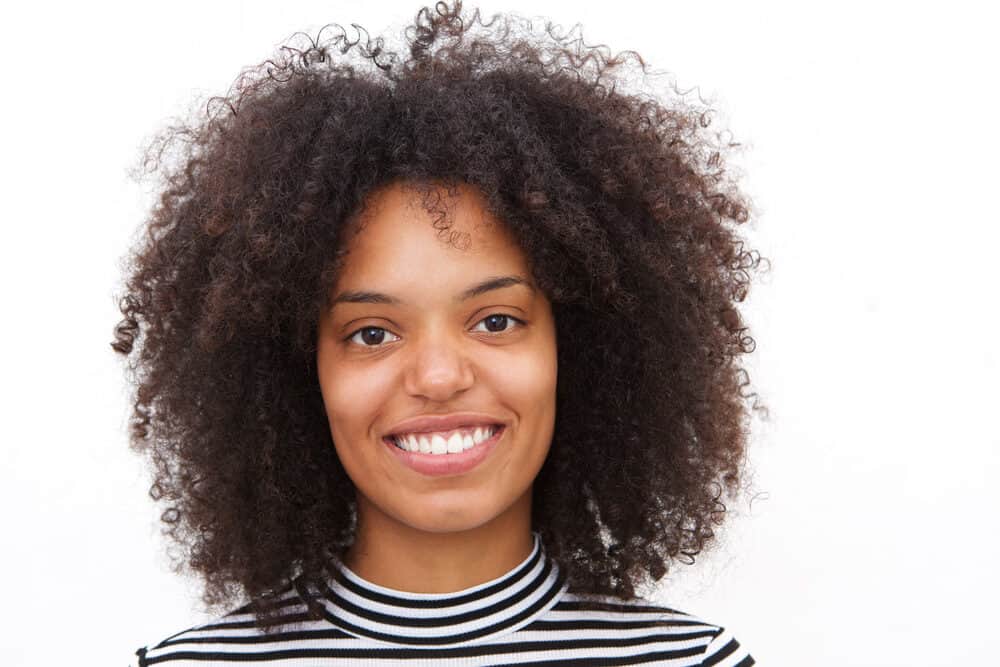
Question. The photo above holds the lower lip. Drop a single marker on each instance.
(447, 464)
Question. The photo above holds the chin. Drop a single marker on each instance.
(449, 518)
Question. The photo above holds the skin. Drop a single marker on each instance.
(435, 354)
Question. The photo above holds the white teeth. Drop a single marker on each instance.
(484, 433)
(436, 443)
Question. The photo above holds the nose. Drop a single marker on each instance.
(438, 369)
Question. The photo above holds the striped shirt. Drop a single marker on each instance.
(524, 617)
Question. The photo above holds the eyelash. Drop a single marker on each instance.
(519, 322)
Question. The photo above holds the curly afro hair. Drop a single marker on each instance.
(621, 202)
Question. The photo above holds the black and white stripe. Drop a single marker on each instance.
(526, 617)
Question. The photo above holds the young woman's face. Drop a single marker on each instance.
(410, 336)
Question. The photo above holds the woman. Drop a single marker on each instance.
(438, 360)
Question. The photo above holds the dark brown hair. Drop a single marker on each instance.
(621, 201)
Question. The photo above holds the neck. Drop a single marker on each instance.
(388, 553)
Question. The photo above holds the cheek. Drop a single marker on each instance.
(527, 382)
(353, 399)
(352, 396)
(535, 380)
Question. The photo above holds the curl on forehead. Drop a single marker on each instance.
(459, 212)
(436, 198)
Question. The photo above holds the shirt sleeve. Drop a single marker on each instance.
(725, 651)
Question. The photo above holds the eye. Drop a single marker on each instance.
(496, 322)
(373, 337)
(369, 336)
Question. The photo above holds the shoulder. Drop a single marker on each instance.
(676, 632)
(233, 636)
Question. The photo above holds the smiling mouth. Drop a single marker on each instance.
(442, 443)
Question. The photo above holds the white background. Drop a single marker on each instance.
(871, 143)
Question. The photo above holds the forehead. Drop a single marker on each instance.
(402, 230)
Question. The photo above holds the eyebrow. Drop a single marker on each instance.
(488, 285)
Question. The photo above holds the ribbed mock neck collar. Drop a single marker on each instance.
(472, 615)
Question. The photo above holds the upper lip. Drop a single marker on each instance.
(429, 423)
